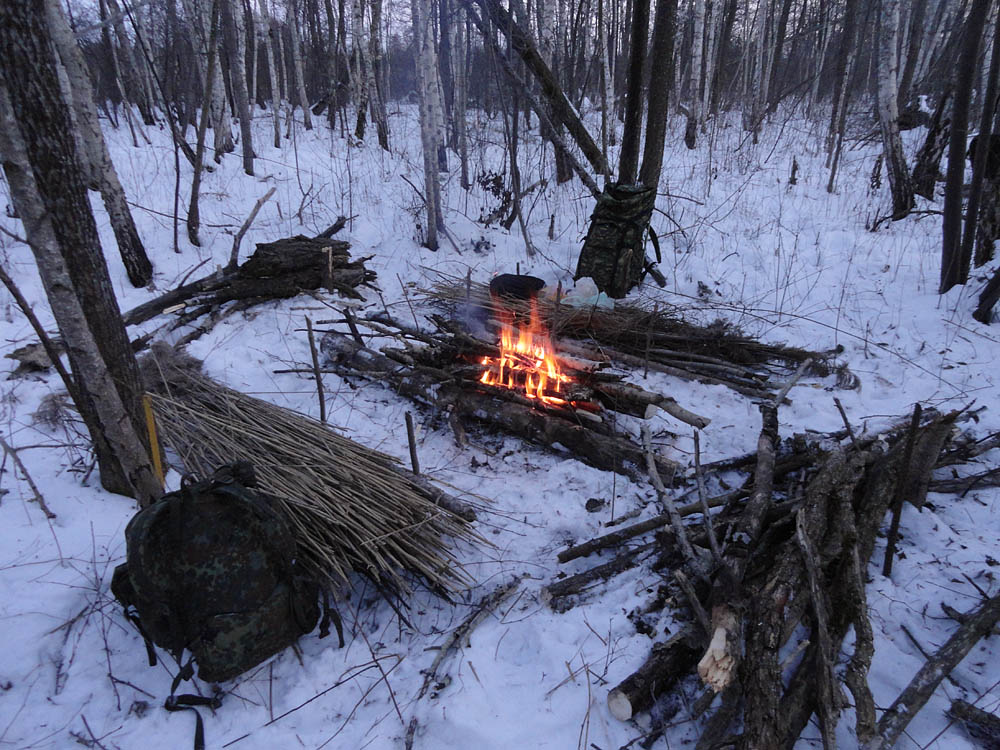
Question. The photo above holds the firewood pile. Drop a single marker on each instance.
(781, 570)
(586, 408)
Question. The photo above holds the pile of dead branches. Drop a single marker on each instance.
(652, 337)
(443, 370)
(781, 569)
(351, 508)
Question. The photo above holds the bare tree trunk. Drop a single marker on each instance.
(361, 70)
(888, 109)
(659, 92)
(300, 87)
(376, 92)
(92, 149)
(194, 214)
(423, 38)
(267, 32)
(697, 42)
(232, 35)
(461, 52)
(916, 27)
(199, 13)
(46, 187)
(981, 225)
(955, 266)
(628, 159)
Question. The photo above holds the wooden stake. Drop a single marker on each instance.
(154, 443)
(897, 501)
(316, 370)
(353, 326)
(412, 440)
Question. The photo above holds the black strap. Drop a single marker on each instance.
(188, 702)
(133, 617)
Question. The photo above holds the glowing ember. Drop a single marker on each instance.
(527, 361)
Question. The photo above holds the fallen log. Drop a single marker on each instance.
(276, 270)
(983, 727)
(666, 665)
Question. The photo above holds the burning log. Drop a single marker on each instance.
(596, 443)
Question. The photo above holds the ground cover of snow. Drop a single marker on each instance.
(787, 263)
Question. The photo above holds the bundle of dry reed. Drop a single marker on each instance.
(350, 508)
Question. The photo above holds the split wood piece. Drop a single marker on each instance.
(275, 270)
(925, 682)
(604, 354)
(631, 399)
(609, 452)
(983, 727)
(667, 664)
(558, 594)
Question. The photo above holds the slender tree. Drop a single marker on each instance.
(664, 27)
(628, 158)
(955, 267)
(888, 110)
(47, 189)
(93, 151)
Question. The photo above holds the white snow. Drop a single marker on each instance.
(789, 264)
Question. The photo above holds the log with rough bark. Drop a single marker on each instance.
(769, 591)
(276, 270)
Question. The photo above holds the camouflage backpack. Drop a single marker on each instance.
(211, 569)
(613, 253)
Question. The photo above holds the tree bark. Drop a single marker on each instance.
(429, 134)
(93, 151)
(659, 92)
(292, 19)
(955, 266)
(46, 186)
(900, 183)
(235, 52)
(628, 158)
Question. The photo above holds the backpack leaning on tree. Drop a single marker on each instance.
(211, 570)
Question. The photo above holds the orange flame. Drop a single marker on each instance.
(527, 361)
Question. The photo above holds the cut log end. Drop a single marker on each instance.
(619, 705)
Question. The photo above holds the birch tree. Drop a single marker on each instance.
(266, 30)
(295, 50)
(430, 116)
(900, 183)
(48, 191)
(234, 46)
(697, 42)
(93, 150)
(200, 15)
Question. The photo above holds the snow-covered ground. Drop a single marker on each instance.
(788, 263)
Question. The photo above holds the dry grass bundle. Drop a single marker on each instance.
(350, 508)
(633, 329)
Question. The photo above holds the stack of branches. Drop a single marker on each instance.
(787, 555)
(656, 338)
(350, 508)
(443, 370)
(276, 270)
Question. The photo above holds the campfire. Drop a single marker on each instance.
(527, 362)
